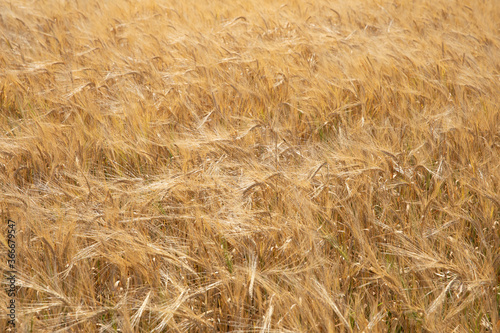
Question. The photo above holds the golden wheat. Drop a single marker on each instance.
(269, 166)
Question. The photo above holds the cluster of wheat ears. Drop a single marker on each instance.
(267, 166)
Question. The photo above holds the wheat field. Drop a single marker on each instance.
(260, 166)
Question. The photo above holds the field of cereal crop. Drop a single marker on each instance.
(251, 166)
